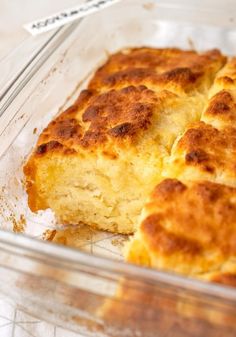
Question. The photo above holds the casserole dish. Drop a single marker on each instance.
(93, 294)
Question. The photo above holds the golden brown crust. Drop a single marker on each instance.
(221, 104)
(208, 148)
(119, 114)
(174, 79)
(226, 78)
(172, 69)
(35, 202)
(167, 242)
(116, 115)
(190, 228)
(205, 152)
(221, 110)
(124, 112)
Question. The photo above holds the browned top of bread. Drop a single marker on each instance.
(221, 109)
(95, 118)
(226, 77)
(174, 69)
(126, 97)
(190, 228)
(209, 149)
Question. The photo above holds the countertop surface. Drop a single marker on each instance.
(16, 323)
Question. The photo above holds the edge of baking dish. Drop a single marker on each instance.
(74, 259)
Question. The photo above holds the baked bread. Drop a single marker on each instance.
(188, 228)
(98, 161)
(207, 150)
(182, 72)
(189, 224)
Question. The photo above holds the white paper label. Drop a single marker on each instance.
(66, 16)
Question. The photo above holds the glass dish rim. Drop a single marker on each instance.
(64, 254)
(73, 256)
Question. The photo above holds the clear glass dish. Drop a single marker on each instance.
(92, 294)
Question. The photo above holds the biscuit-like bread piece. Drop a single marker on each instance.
(221, 109)
(226, 78)
(97, 162)
(204, 152)
(207, 149)
(96, 165)
(188, 228)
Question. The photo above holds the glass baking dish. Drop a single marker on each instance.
(89, 293)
